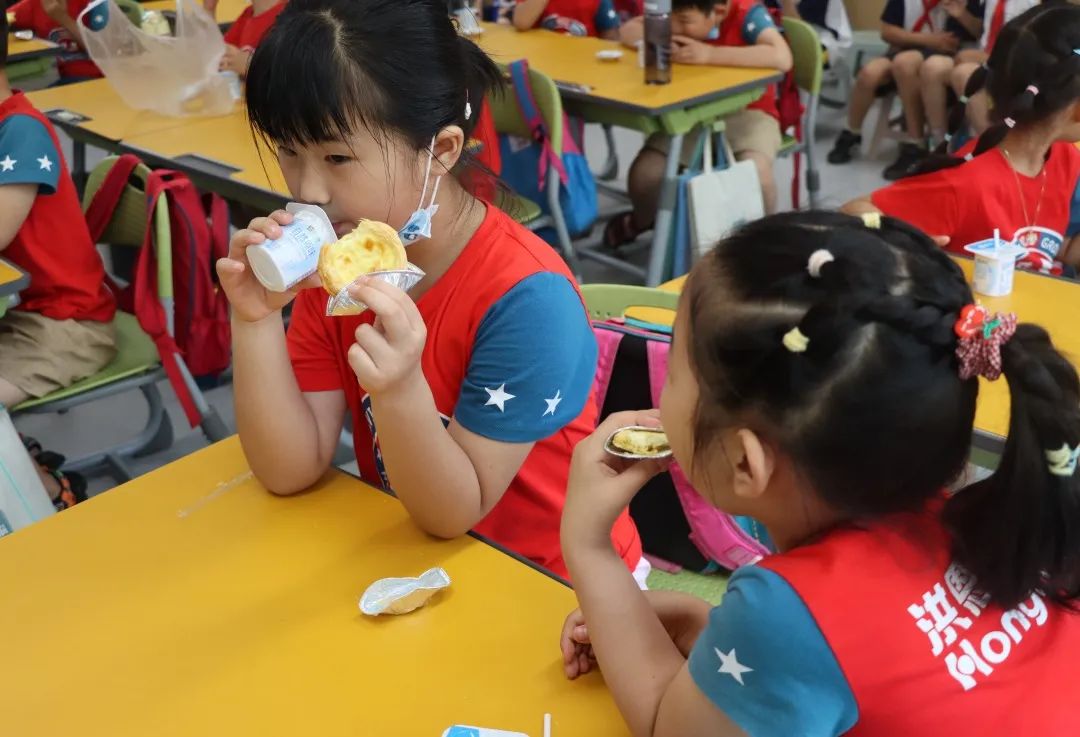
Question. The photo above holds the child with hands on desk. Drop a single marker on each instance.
(572, 17)
(55, 21)
(1022, 176)
(823, 380)
(466, 394)
(738, 33)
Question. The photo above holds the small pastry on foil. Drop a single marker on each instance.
(372, 246)
(638, 443)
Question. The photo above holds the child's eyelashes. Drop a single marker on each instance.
(286, 151)
(338, 159)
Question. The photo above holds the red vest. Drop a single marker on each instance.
(731, 34)
(922, 650)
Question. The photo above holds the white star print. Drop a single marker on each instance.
(729, 664)
(46, 165)
(552, 403)
(498, 397)
(98, 19)
(8, 164)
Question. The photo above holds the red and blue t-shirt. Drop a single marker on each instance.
(874, 631)
(972, 200)
(73, 61)
(248, 30)
(510, 355)
(744, 22)
(53, 245)
(579, 17)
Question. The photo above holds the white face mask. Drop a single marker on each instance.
(419, 223)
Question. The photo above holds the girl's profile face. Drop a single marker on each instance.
(356, 179)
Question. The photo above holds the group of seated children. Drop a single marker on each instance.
(934, 48)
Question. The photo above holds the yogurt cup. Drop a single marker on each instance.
(281, 264)
(232, 79)
(995, 265)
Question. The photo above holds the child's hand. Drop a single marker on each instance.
(601, 485)
(578, 657)
(386, 354)
(235, 60)
(955, 8)
(250, 300)
(210, 6)
(943, 41)
(688, 51)
(56, 10)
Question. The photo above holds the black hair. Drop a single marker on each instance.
(1035, 50)
(874, 413)
(328, 66)
(705, 6)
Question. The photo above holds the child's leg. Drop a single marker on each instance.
(643, 184)
(935, 74)
(873, 75)
(764, 165)
(906, 68)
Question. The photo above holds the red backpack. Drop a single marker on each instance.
(198, 329)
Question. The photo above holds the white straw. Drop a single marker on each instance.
(547, 725)
(997, 238)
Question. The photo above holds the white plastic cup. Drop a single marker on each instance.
(233, 80)
(995, 265)
(283, 263)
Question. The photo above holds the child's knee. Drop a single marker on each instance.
(648, 167)
(908, 63)
(874, 74)
(936, 69)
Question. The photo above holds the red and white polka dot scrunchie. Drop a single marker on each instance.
(981, 336)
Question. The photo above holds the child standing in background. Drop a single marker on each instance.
(734, 33)
(55, 21)
(823, 380)
(1024, 175)
(246, 32)
(573, 17)
(918, 33)
(468, 393)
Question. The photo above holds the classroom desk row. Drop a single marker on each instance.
(226, 14)
(191, 601)
(220, 153)
(20, 50)
(12, 281)
(1035, 298)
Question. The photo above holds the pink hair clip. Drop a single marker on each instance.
(981, 336)
(1010, 122)
(1033, 90)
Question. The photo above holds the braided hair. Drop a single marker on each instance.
(1033, 73)
(871, 408)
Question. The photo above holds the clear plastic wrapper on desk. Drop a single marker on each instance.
(403, 595)
(342, 303)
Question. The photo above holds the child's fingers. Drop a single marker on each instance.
(374, 345)
(270, 226)
(400, 297)
(228, 266)
(584, 666)
(388, 309)
(361, 362)
(580, 634)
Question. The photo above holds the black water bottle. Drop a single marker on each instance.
(657, 41)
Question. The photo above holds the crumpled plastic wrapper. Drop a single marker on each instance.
(342, 303)
(403, 595)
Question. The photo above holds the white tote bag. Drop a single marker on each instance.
(23, 500)
(720, 201)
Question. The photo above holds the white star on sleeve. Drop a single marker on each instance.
(729, 664)
(498, 397)
(44, 163)
(552, 404)
(751, 26)
(8, 163)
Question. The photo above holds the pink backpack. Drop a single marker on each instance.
(678, 527)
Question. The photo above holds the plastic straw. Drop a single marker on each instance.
(547, 725)
(997, 238)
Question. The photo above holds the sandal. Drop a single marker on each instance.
(72, 489)
(621, 230)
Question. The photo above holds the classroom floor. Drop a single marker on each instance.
(116, 419)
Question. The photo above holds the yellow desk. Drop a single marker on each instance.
(615, 93)
(219, 154)
(93, 113)
(20, 51)
(227, 11)
(124, 618)
(618, 83)
(1038, 299)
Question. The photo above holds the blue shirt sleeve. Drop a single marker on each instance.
(532, 365)
(757, 20)
(606, 17)
(763, 661)
(27, 154)
(893, 14)
(1074, 213)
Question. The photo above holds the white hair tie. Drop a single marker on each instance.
(818, 259)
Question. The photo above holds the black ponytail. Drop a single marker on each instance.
(872, 408)
(1019, 530)
(1033, 73)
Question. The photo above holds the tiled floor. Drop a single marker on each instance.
(91, 427)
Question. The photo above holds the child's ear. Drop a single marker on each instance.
(753, 463)
(449, 143)
(1076, 112)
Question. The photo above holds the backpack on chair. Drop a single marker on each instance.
(198, 326)
(676, 524)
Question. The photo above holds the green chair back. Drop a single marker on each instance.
(611, 301)
(508, 119)
(807, 53)
(128, 224)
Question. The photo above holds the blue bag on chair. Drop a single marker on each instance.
(525, 168)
